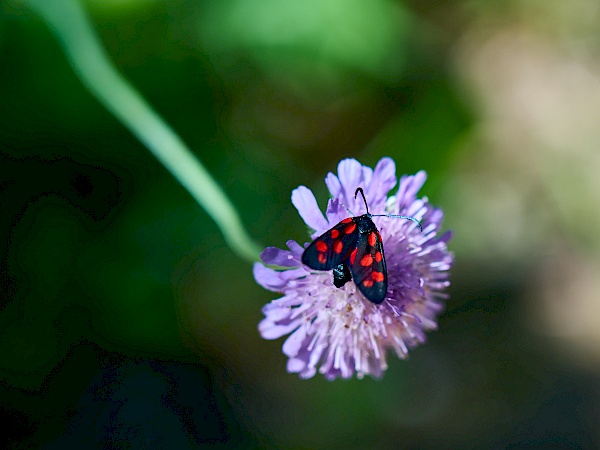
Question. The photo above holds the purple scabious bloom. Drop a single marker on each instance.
(337, 331)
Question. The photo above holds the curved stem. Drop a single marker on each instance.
(90, 62)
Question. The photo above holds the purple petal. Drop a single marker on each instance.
(296, 249)
(293, 343)
(383, 181)
(270, 330)
(268, 278)
(292, 274)
(351, 177)
(274, 255)
(435, 216)
(335, 211)
(409, 186)
(308, 372)
(295, 365)
(445, 237)
(306, 204)
(276, 314)
(367, 175)
(334, 186)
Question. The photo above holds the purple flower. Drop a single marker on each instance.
(338, 331)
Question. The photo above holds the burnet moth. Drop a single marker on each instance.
(354, 250)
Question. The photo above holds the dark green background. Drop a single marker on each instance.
(126, 322)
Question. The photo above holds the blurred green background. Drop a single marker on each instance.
(126, 321)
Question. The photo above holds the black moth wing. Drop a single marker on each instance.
(368, 268)
(333, 247)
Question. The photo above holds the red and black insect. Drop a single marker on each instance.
(353, 249)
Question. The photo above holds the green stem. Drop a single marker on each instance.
(90, 62)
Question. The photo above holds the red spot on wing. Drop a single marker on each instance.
(347, 220)
(366, 260)
(367, 283)
(353, 256)
(321, 246)
(377, 276)
(350, 228)
(378, 256)
(338, 247)
(322, 259)
(334, 234)
(372, 239)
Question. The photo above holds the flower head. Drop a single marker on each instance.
(337, 331)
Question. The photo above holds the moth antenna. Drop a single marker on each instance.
(346, 208)
(363, 196)
(414, 219)
(386, 215)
